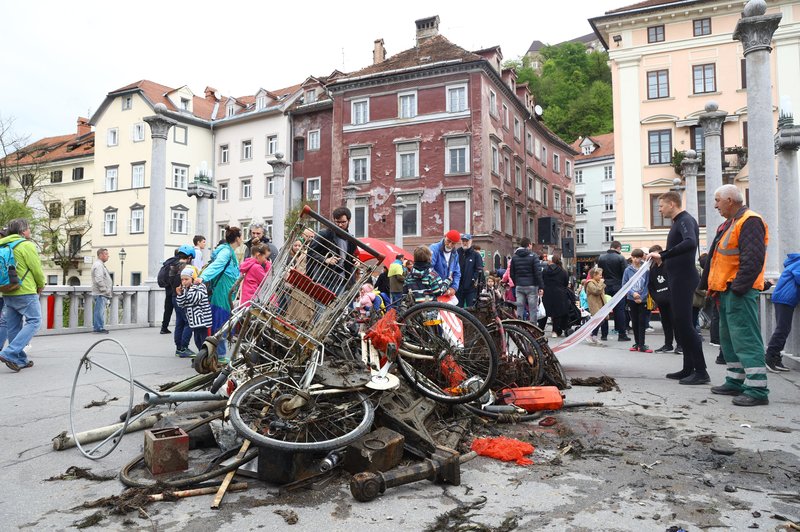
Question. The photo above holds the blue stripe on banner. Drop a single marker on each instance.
(598, 318)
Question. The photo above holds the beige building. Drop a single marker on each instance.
(668, 60)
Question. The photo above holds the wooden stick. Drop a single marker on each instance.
(198, 491)
(228, 478)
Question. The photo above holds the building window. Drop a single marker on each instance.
(456, 99)
(509, 220)
(407, 105)
(701, 208)
(544, 155)
(77, 173)
(261, 102)
(660, 146)
(270, 185)
(75, 244)
(180, 135)
(56, 176)
(608, 202)
(79, 207)
(505, 116)
(246, 190)
(518, 219)
(538, 191)
(247, 150)
(704, 77)
(608, 233)
(138, 132)
(299, 149)
(185, 104)
(655, 33)
(411, 218)
(407, 160)
(495, 160)
(359, 164)
(529, 142)
(518, 176)
(579, 235)
(492, 103)
(495, 213)
(137, 221)
(359, 111)
(54, 210)
(112, 137)
(127, 103)
(579, 206)
(545, 195)
(556, 163)
(743, 63)
(360, 221)
(657, 84)
(457, 155)
(180, 177)
(313, 140)
(230, 111)
(698, 141)
(310, 96)
(608, 172)
(530, 186)
(517, 129)
(656, 220)
(111, 178)
(537, 148)
(272, 144)
(223, 192)
(137, 176)
(702, 26)
(568, 168)
(507, 169)
(110, 223)
(313, 190)
(224, 154)
(529, 232)
(557, 201)
(179, 224)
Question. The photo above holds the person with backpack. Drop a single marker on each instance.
(193, 300)
(21, 282)
(183, 331)
(163, 281)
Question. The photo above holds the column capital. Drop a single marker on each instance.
(350, 192)
(712, 120)
(159, 124)
(756, 31)
(787, 139)
(399, 207)
(690, 164)
(279, 165)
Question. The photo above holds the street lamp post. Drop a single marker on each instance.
(122, 256)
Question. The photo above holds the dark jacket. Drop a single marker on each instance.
(424, 283)
(613, 264)
(525, 268)
(679, 257)
(333, 276)
(273, 250)
(471, 265)
(556, 297)
(382, 283)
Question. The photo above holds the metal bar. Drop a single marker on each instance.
(175, 397)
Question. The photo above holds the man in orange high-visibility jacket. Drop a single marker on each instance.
(735, 277)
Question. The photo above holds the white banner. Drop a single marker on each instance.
(598, 318)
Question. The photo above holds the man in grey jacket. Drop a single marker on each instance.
(101, 290)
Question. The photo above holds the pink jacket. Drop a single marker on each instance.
(253, 273)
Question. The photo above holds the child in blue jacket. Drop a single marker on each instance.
(423, 282)
(785, 298)
(637, 301)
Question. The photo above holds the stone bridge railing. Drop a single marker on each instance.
(766, 312)
(68, 309)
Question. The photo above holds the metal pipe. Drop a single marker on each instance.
(180, 397)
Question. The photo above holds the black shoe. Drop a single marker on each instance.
(625, 338)
(725, 390)
(604, 338)
(166, 331)
(101, 331)
(720, 360)
(775, 365)
(664, 349)
(747, 400)
(679, 350)
(678, 375)
(697, 377)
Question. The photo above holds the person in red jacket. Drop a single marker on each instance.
(254, 269)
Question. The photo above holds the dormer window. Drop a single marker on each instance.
(261, 102)
(589, 148)
(185, 104)
(230, 110)
(311, 96)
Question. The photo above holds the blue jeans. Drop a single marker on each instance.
(3, 329)
(182, 333)
(529, 294)
(99, 313)
(15, 309)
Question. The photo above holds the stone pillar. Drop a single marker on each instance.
(787, 142)
(689, 167)
(203, 189)
(755, 30)
(350, 190)
(399, 207)
(278, 199)
(711, 121)
(157, 206)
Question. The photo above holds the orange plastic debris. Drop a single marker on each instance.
(452, 371)
(505, 449)
(385, 331)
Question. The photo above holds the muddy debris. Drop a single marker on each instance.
(460, 518)
(132, 499)
(166, 386)
(75, 472)
(102, 402)
(89, 521)
(290, 516)
(604, 383)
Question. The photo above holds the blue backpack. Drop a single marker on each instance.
(9, 279)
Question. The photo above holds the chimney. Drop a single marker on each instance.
(378, 52)
(84, 128)
(211, 94)
(427, 28)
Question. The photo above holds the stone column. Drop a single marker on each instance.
(787, 142)
(399, 207)
(157, 207)
(755, 30)
(278, 199)
(711, 121)
(689, 167)
(203, 189)
(350, 196)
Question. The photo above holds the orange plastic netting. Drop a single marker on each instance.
(505, 449)
(385, 331)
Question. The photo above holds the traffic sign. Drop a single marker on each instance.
(626, 248)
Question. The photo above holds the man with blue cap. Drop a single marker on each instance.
(471, 264)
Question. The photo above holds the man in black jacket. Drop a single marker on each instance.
(613, 264)
(527, 278)
(330, 255)
(471, 265)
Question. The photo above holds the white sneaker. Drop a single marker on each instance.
(593, 339)
(650, 329)
(554, 335)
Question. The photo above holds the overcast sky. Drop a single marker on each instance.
(60, 59)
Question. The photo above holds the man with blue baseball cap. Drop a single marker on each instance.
(471, 264)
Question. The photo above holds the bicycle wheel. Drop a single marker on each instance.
(553, 371)
(521, 364)
(446, 353)
(272, 411)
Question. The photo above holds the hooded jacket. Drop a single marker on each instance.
(29, 266)
(253, 273)
(424, 283)
(471, 265)
(786, 291)
(525, 268)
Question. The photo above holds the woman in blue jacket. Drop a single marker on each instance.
(785, 298)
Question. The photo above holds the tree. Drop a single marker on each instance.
(293, 215)
(22, 163)
(573, 88)
(11, 208)
(64, 229)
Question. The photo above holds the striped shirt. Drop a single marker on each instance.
(198, 309)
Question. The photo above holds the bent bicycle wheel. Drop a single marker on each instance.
(274, 412)
(446, 353)
(553, 371)
(521, 364)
